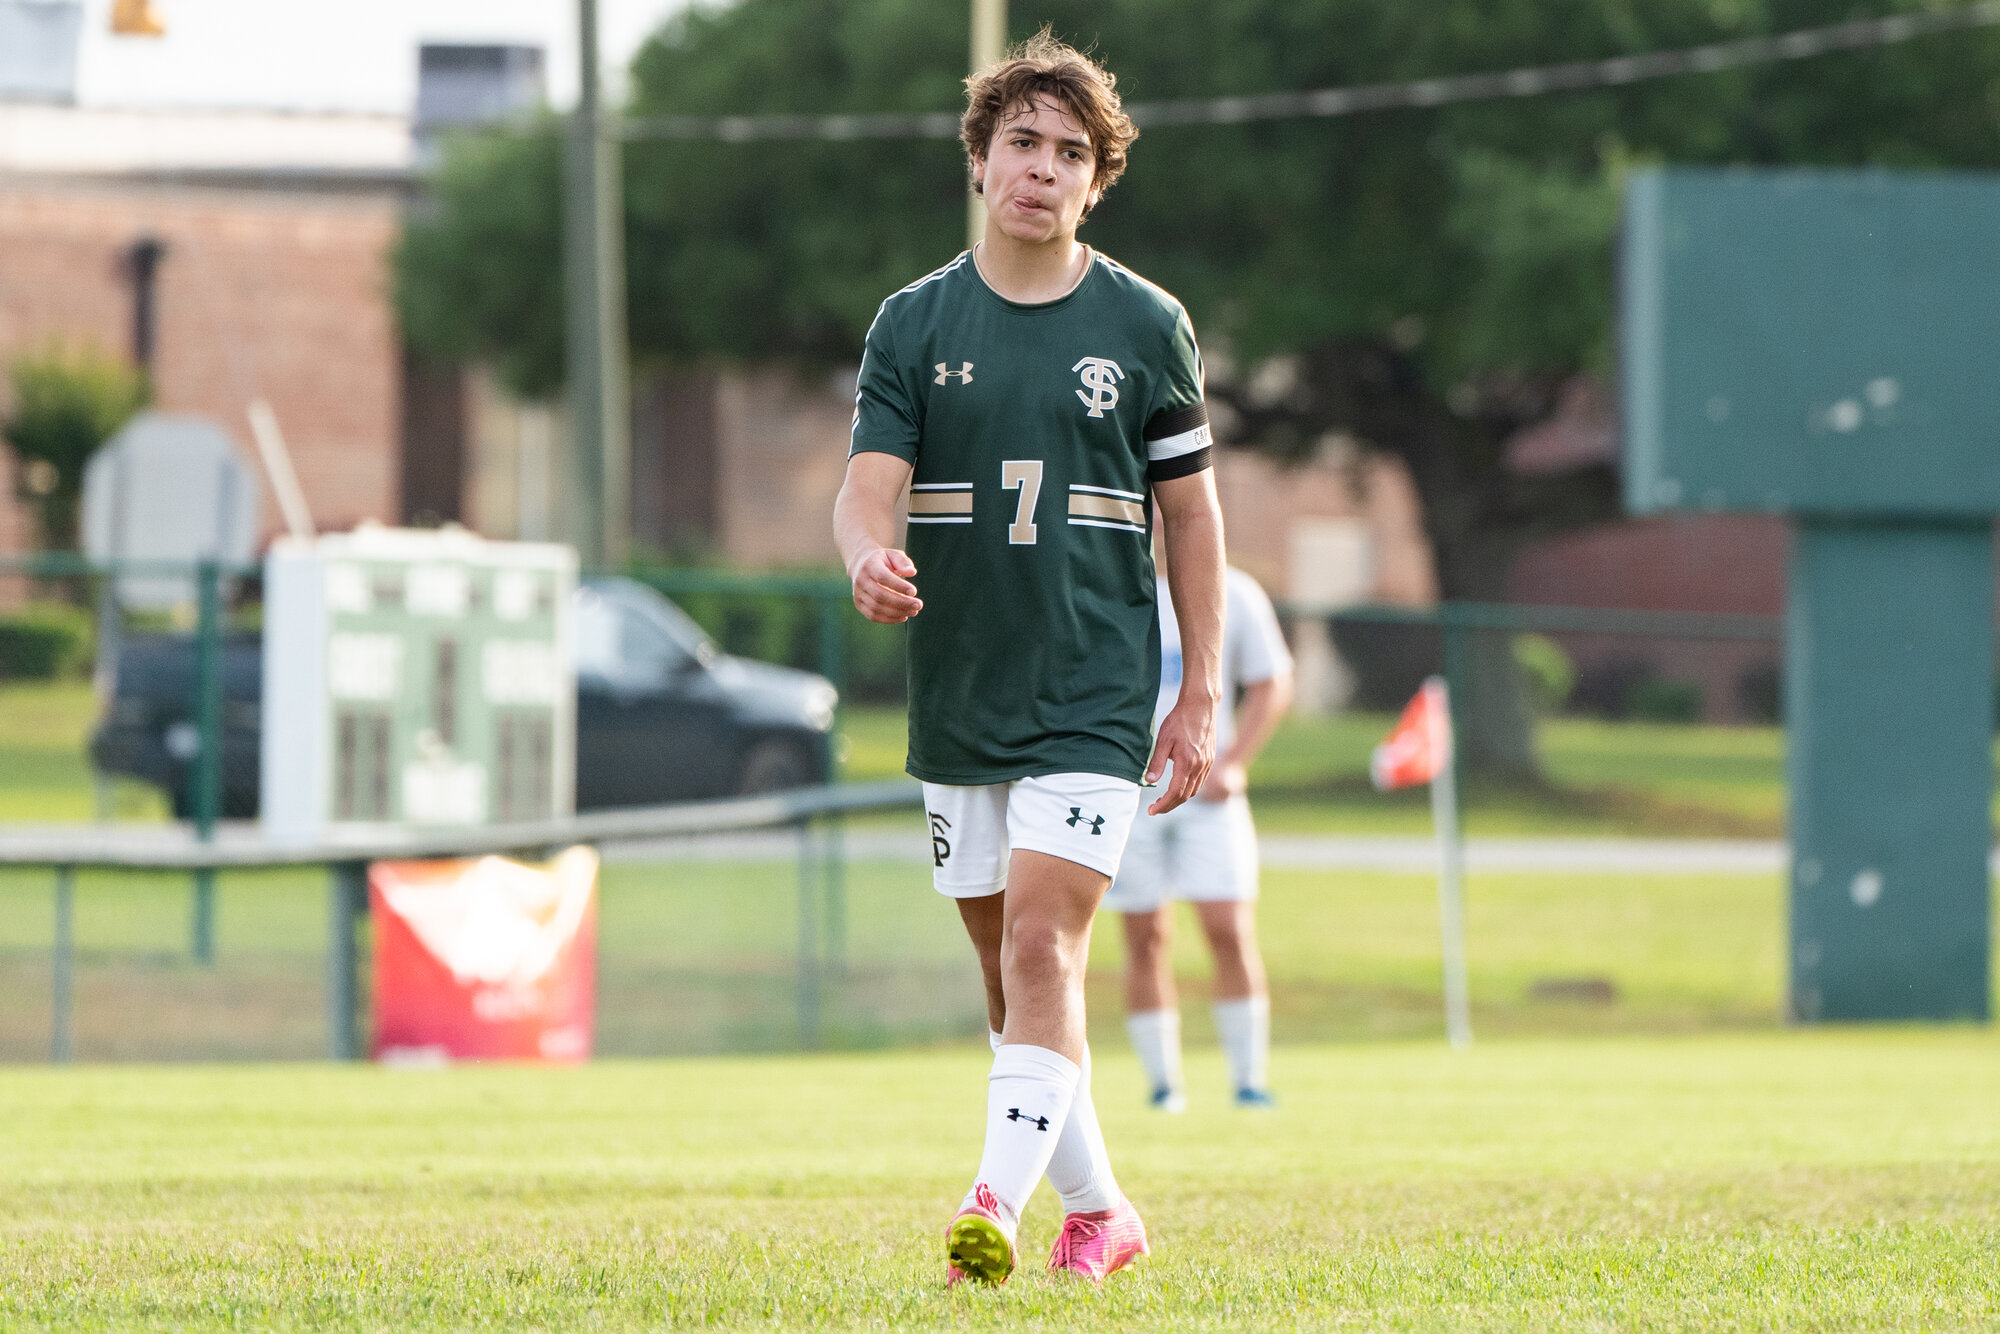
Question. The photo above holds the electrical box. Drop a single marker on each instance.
(1812, 342)
(416, 678)
(1819, 344)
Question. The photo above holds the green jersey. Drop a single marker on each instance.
(1035, 434)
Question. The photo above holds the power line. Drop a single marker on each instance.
(1528, 81)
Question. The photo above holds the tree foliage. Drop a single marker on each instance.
(67, 402)
(1432, 277)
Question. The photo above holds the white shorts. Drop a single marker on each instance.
(1083, 818)
(1205, 851)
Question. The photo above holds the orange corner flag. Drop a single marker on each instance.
(1420, 747)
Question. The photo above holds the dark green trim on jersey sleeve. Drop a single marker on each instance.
(885, 413)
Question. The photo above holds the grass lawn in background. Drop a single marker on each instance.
(701, 956)
(1603, 779)
(44, 762)
(1842, 1179)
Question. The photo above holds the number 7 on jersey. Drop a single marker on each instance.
(1027, 475)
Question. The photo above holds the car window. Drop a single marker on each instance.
(596, 629)
(637, 633)
(644, 646)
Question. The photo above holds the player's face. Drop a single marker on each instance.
(1039, 173)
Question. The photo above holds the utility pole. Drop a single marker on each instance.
(989, 39)
(600, 445)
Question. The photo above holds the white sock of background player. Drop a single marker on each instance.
(1244, 1028)
(1156, 1037)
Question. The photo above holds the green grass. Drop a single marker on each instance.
(1796, 1181)
(44, 765)
(1603, 779)
(702, 957)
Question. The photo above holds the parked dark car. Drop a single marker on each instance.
(662, 714)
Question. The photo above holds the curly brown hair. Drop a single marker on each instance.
(1044, 65)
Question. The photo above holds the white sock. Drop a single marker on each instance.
(1244, 1026)
(1080, 1168)
(1028, 1098)
(1156, 1036)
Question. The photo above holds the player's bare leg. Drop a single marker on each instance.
(1152, 1010)
(1242, 1001)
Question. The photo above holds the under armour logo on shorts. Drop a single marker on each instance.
(1076, 817)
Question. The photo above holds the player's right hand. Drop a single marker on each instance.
(882, 588)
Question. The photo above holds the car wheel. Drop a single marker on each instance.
(773, 765)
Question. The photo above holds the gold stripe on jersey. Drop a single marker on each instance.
(941, 502)
(1085, 505)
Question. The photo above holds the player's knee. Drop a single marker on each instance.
(1144, 936)
(1039, 946)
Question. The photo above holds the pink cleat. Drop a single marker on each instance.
(1096, 1244)
(977, 1244)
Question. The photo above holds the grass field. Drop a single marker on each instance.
(697, 957)
(1810, 1181)
(1603, 778)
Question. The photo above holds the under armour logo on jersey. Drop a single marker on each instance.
(1100, 380)
(1077, 817)
(940, 845)
(964, 372)
(1040, 1123)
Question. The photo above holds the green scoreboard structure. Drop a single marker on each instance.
(1823, 345)
(415, 678)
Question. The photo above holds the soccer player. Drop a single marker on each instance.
(1206, 852)
(1033, 396)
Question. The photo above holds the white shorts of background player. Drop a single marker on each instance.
(1201, 851)
(1083, 818)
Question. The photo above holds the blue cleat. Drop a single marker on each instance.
(1169, 1100)
(1255, 1098)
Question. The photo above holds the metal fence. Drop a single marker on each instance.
(811, 925)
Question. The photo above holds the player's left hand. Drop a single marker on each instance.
(1186, 741)
(1227, 779)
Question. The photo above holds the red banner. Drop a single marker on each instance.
(485, 959)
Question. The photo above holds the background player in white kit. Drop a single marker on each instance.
(1205, 852)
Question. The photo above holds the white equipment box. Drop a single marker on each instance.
(416, 678)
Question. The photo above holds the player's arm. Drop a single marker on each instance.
(1264, 703)
(1191, 519)
(864, 528)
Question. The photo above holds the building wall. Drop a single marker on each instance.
(276, 294)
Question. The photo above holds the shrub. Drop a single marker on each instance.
(44, 641)
(1550, 674)
(66, 404)
(1660, 700)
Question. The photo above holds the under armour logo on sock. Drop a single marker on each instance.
(1076, 817)
(1041, 1122)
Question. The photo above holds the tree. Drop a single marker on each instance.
(1427, 281)
(66, 404)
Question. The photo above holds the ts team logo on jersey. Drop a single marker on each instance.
(1100, 384)
(964, 372)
